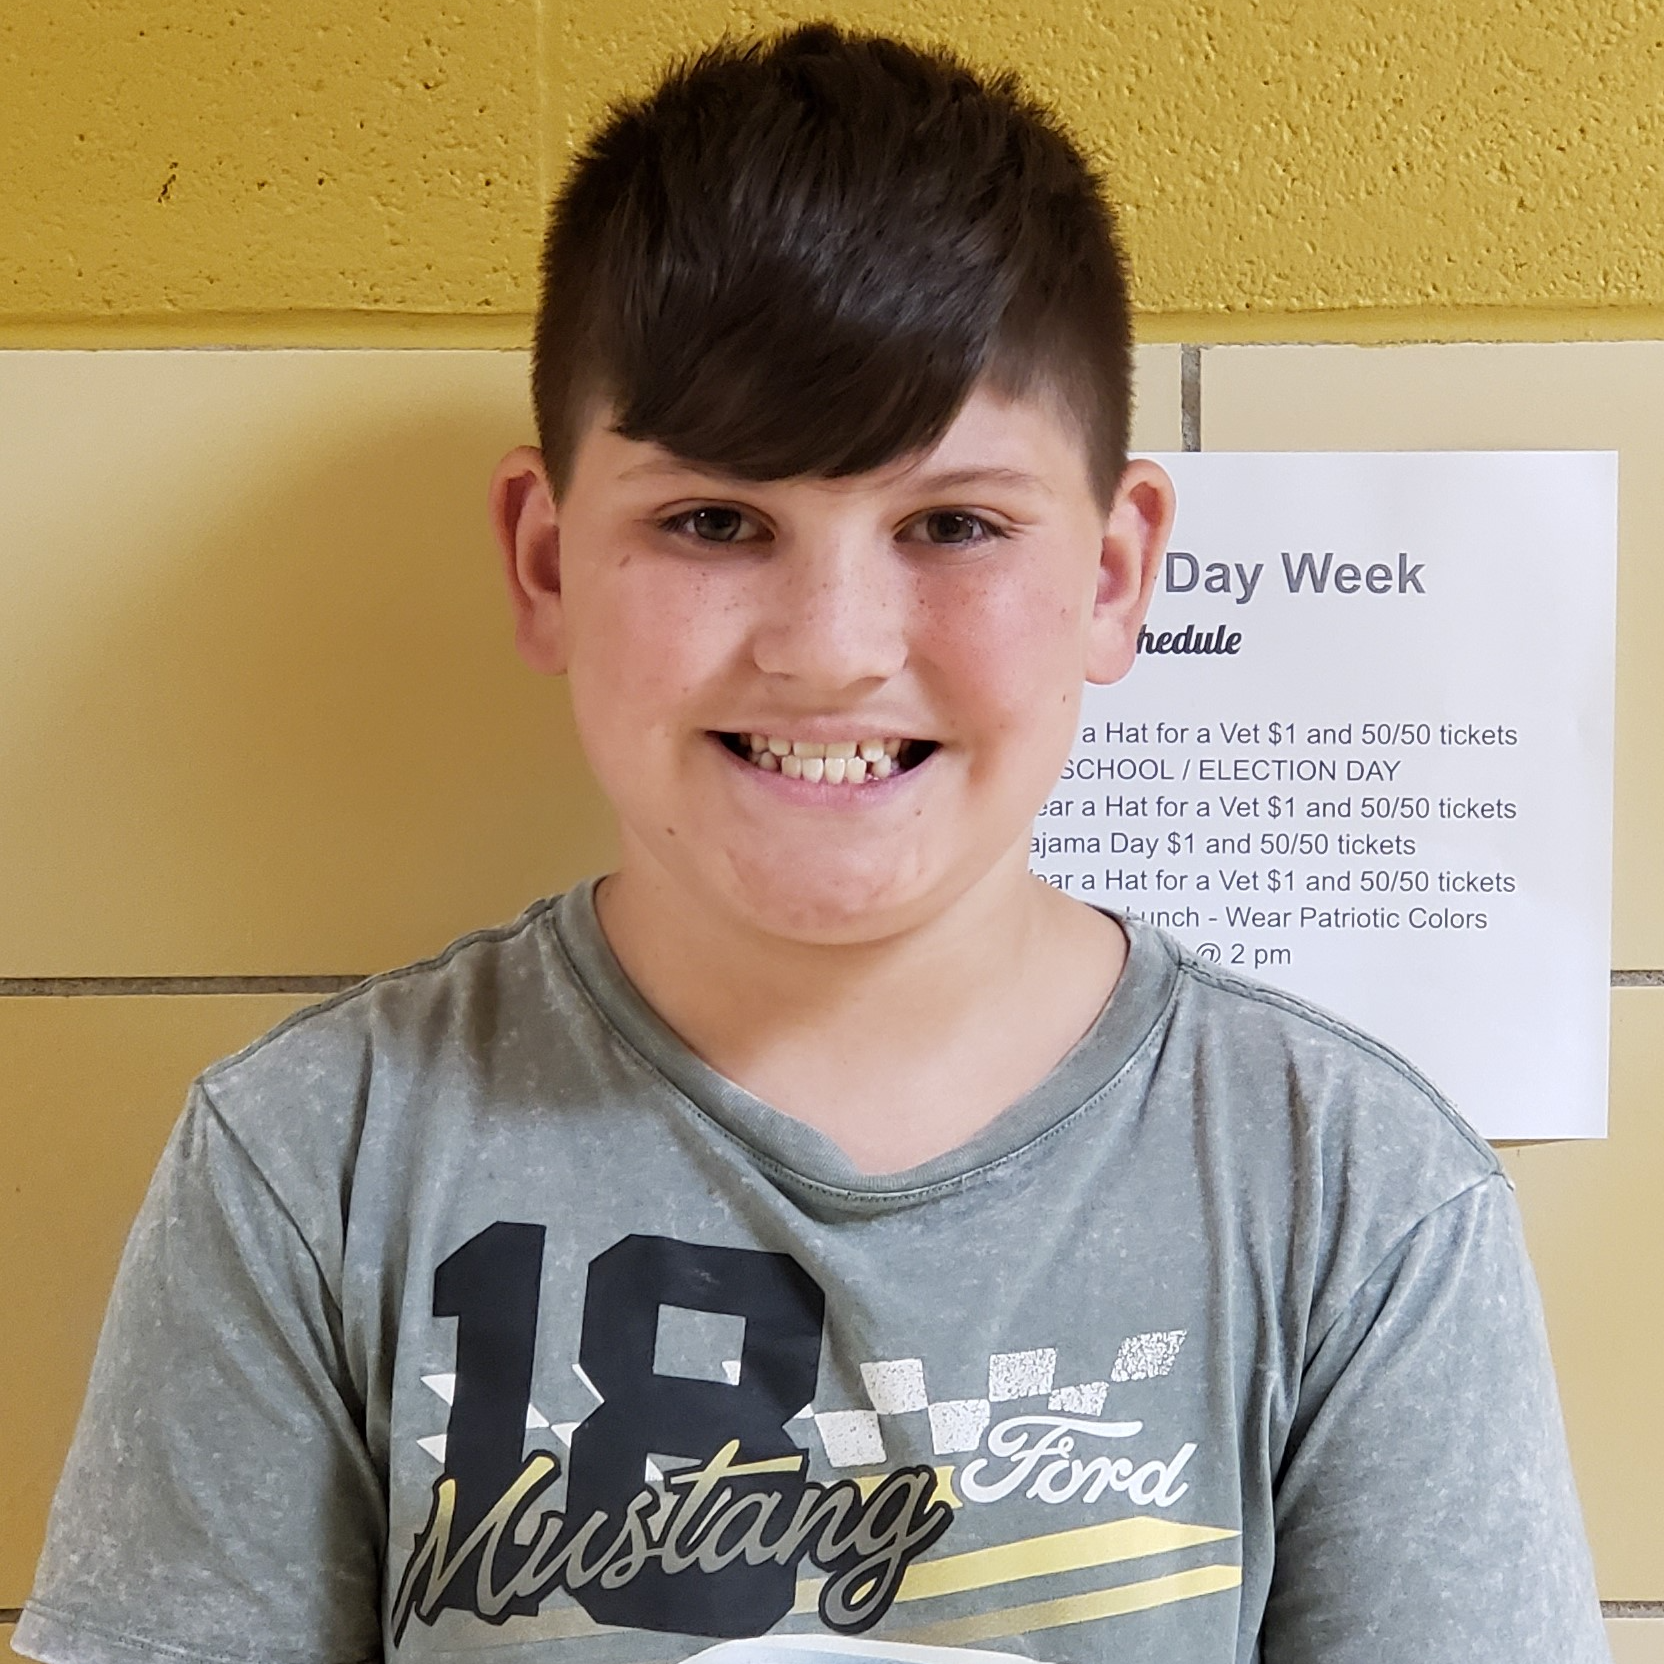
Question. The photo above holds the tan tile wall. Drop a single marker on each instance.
(262, 721)
(1593, 1211)
(1636, 1640)
(92, 1085)
(261, 711)
(1592, 1219)
(1572, 396)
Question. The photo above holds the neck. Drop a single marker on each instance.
(898, 1048)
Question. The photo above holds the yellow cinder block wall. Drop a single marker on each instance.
(337, 171)
(215, 558)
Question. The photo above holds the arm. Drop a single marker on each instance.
(218, 1501)
(1425, 1509)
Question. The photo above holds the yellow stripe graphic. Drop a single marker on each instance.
(1078, 1609)
(1061, 1551)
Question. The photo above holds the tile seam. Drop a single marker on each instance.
(252, 330)
(34, 987)
(1190, 398)
(1400, 325)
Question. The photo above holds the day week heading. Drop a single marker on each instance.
(1304, 573)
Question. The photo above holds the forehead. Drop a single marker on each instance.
(1028, 444)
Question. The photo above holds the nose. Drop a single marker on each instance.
(834, 614)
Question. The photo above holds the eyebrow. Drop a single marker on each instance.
(941, 481)
(982, 476)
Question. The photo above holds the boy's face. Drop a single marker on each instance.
(956, 615)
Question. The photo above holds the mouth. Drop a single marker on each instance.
(864, 762)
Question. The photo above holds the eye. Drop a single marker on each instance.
(710, 523)
(957, 529)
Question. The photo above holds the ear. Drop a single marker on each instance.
(1134, 540)
(526, 520)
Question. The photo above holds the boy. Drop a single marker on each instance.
(819, 1231)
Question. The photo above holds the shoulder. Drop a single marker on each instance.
(427, 1007)
(347, 1095)
(1331, 1141)
(1261, 1043)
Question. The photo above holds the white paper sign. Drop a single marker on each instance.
(1366, 754)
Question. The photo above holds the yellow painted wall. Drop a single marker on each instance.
(339, 171)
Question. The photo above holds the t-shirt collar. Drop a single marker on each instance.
(1087, 1072)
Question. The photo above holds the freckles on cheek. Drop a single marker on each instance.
(676, 609)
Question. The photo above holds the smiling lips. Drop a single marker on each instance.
(834, 762)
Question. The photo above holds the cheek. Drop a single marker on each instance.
(644, 643)
(1018, 645)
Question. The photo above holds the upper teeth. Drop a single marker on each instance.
(838, 762)
(871, 750)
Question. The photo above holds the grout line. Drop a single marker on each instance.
(342, 331)
(1190, 398)
(35, 986)
(1395, 325)
(10, 1614)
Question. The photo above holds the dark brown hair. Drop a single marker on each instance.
(797, 256)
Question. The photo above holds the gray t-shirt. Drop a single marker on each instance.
(470, 1310)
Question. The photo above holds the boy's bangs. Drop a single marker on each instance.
(771, 429)
(788, 379)
(778, 383)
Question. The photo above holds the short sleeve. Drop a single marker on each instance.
(218, 1501)
(1426, 1509)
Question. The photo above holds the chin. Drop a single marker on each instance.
(834, 910)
